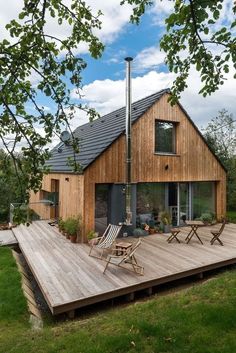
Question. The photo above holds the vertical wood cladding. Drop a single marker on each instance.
(193, 161)
(71, 195)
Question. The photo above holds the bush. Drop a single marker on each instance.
(91, 235)
(72, 225)
(231, 216)
(207, 217)
(61, 224)
(165, 218)
(138, 232)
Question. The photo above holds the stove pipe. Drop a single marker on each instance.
(128, 142)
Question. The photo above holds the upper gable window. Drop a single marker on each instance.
(165, 132)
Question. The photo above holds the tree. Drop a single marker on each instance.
(220, 134)
(36, 62)
(11, 190)
(195, 36)
(36, 54)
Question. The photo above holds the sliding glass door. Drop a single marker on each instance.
(183, 202)
(203, 199)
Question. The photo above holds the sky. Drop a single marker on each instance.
(104, 79)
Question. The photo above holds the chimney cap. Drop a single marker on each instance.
(128, 58)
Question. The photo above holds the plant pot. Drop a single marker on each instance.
(167, 228)
(152, 231)
(73, 238)
(92, 242)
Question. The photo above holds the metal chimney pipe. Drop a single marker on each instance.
(128, 142)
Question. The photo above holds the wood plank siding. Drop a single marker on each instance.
(71, 195)
(193, 161)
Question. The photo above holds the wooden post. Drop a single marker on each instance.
(149, 291)
(130, 297)
(200, 275)
(71, 314)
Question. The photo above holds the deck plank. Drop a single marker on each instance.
(70, 279)
(7, 238)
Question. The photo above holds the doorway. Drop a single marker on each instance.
(54, 197)
(178, 202)
(102, 192)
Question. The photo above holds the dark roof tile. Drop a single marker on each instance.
(96, 137)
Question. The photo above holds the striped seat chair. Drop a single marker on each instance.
(106, 241)
(127, 261)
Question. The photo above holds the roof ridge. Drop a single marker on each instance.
(99, 134)
(114, 111)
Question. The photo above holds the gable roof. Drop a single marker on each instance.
(97, 136)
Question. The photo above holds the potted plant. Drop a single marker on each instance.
(151, 224)
(166, 221)
(61, 225)
(72, 228)
(139, 232)
(92, 237)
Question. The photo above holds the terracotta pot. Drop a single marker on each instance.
(73, 238)
(152, 231)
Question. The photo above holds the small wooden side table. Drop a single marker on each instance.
(122, 247)
(174, 232)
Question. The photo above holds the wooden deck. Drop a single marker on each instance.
(70, 279)
(7, 238)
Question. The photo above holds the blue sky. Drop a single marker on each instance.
(131, 41)
(104, 79)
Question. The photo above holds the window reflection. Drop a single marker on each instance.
(164, 137)
(203, 199)
(150, 202)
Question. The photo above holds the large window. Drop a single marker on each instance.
(101, 207)
(165, 137)
(203, 198)
(150, 201)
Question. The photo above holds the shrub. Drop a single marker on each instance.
(207, 217)
(165, 218)
(91, 234)
(72, 225)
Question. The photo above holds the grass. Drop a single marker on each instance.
(231, 216)
(196, 320)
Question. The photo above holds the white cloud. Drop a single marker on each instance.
(114, 19)
(149, 58)
(160, 10)
(203, 109)
(8, 12)
(108, 95)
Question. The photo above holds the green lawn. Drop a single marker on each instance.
(197, 320)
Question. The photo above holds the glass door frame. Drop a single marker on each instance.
(189, 201)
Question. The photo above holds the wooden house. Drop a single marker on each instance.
(173, 169)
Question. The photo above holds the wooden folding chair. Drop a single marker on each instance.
(174, 233)
(106, 241)
(128, 258)
(216, 234)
